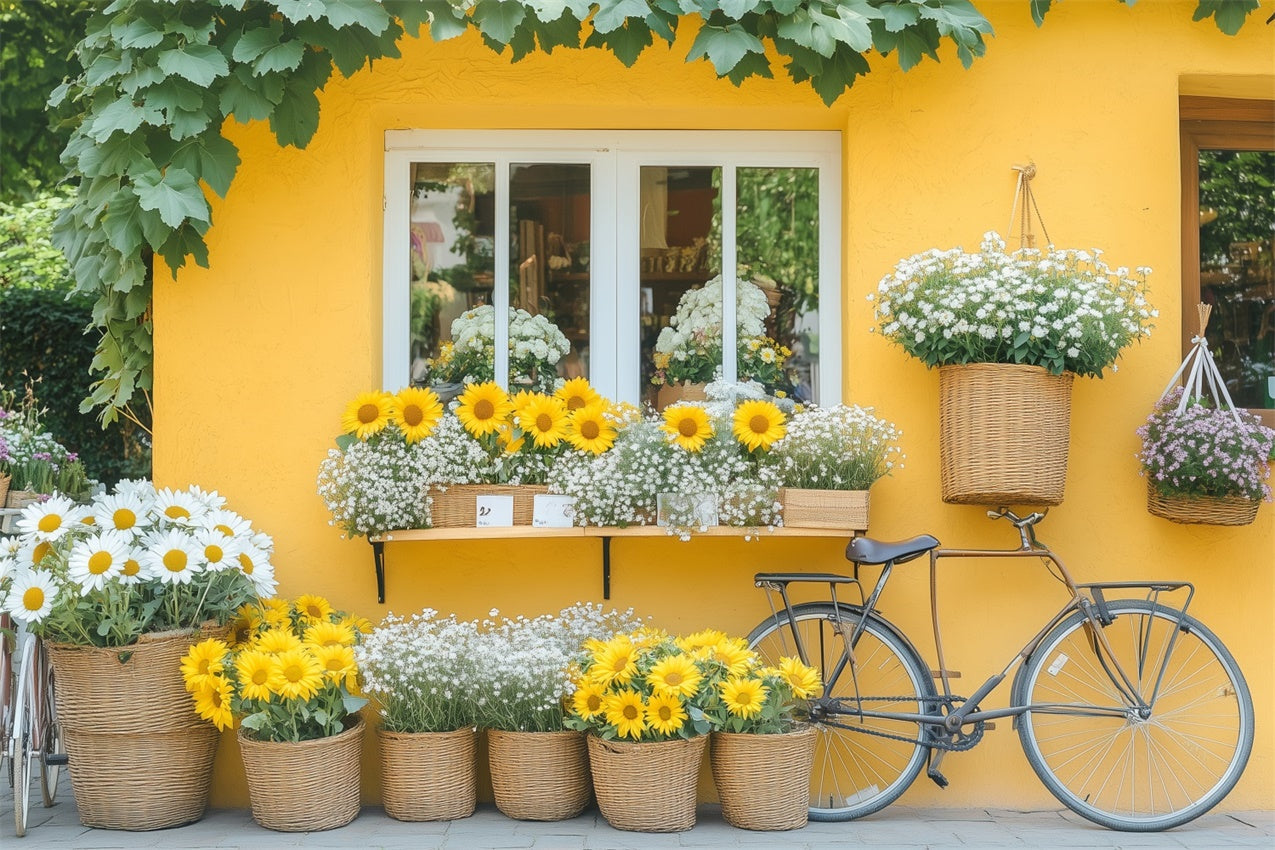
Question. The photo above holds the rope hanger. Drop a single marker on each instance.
(1201, 373)
(1023, 193)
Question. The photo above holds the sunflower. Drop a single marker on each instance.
(665, 714)
(576, 394)
(483, 407)
(329, 634)
(615, 662)
(337, 663)
(368, 414)
(206, 660)
(687, 426)
(744, 697)
(48, 520)
(416, 411)
(545, 420)
(313, 609)
(701, 639)
(626, 712)
(588, 700)
(252, 668)
(361, 625)
(243, 626)
(803, 680)
(276, 613)
(212, 702)
(589, 430)
(276, 641)
(731, 653)
(758, 424)
(505, 436)
(296, 674)
(676, 675)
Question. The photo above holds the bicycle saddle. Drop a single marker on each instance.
(865, 550)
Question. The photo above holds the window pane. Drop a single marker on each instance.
(453, 225)
(549, 274)
(681, 334)
(1237, 229)
(777, 296)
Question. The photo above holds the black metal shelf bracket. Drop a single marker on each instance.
(606, 567)
(378, 560)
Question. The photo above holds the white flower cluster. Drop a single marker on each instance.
(1065, 310)
(535, 347)
(376, 485)
(699, 317)
(525, 664)
(835, 448)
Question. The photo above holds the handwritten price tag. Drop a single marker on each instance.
(553, 511)
(494, 511)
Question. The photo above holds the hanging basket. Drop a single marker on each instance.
(139, 756)
(1004, 432)
(429, 776)
(763, 781)
(647, 787)
(305, 786)
(1202, 510)
(457, 506)
(539, 775)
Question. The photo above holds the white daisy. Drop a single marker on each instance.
(10, 546)
(48, 520)
(132, 571)
(178, 507)
(228, 523)
(210, 499)
(139, 487)
(8, 565)
(173, 557)
(122, 512)
(33, 551)
(97, 560)
(31, 596)
(220, 552)
(256, 565)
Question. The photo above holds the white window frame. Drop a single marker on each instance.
(615, 158)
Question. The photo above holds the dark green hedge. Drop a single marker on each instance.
(42, 335)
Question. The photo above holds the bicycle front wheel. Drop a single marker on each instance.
(1126, 769)
(862, 764)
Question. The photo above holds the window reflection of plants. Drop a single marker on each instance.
(473, 179)
(1238, 187)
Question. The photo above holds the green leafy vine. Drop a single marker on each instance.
(162, 77)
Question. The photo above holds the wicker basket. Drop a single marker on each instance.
(307, 786)
(763, 781)
(1004, 434)
(4, 488)
(539, 775)
(19, 499)
(139, 756)
(670, 394)
(429, 776)
(845, 510)
(456, 507)
(1202, 510)
(647, 787)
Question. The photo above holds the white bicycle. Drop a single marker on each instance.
(32, 735)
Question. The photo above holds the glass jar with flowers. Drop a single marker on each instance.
(539, 770)
(422, 673)
(1008, 331)
(290, 679)
(117, 589)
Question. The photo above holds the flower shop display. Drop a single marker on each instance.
(422, 672)
(1008, 331)
(33, 464)
(539, 770)
(535, 347)
(118, 588)
(290, 679)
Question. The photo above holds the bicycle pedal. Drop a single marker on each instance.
(939, 779)
(56, 759)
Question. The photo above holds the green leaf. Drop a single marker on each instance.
(199, 63)
(121, 115)
(626, 42)
(123, 222)
(250, 98)
(838, 74)
(352, 704)
(301, 10)
(1039, 8)
(141, 77)
(173, 94)
(120, 154)
(209, 157)
(564, 31)
(136, 33)
(663, 25)
(1229, 15)
(256, 41)
(611, 14)
(109, 63)
(344, 441)
(368, 14)
(445, 20)
(736, 9)
(282, 57)
(184, 243)
(256, 720)
(899, 17)
(175, 196)
(296, 119)
(497, 19)
(724, 47)
(752, 65)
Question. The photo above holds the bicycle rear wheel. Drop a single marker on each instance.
(20, 740)
(51, 743)
(861, 764)
(1115, 767)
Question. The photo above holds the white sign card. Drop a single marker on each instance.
(494, 511)
(553, 511)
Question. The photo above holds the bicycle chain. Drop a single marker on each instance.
(951, 741)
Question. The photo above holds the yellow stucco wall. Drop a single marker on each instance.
(255, 357)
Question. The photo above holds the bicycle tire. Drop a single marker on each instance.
(20, 745)
(52, 742)
(855, 772)
(1126, 772)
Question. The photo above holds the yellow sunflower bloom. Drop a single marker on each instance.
(733, 654)
(627, 713)
(804, 681)
(416, 411)
(212, 702)
(665, 714)
(296, 674)
(368, 414)
(744, 697)
(338, 665)
(505, 436)
(576, 394)
(205, 661)
(276, 641)
(253, 670)
(313, 609)
(483, 407)
(545, 420)
(758, 424)
(676, 675)
(589, 430)
(701, 639)
(522, 398)
(615, 662)
(687, 426)
(589, 700)
(362, 625)
(276, 613)
(329, 634)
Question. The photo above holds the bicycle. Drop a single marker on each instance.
(32, 733)
(1131, 712)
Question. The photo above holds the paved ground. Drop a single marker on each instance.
(897, 827)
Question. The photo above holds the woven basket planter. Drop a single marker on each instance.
(429, 776)
(19, 499)
(670, 394)
(539, 775)
(139, 756)
(1202, 510)
(844, 510)
(4, 488)
(307, 786)
(1004, 431)
(763, 781)
(647, 787)
(456, 507)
